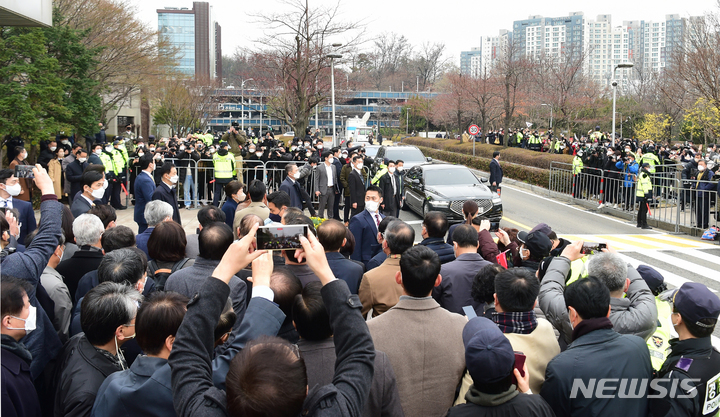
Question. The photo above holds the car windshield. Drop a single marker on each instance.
(371, 151)
(405, 154)
(450, 177)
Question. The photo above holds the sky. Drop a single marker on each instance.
(458, 23)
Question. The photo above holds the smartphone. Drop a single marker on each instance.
(281, 237)
(24, 171)
(494, 226)
(519, 364)
(590, 247)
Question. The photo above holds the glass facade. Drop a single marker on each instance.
(179, 30)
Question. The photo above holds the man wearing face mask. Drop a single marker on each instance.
(187, 161)
(144, 190)
(364, 226)
(291, 186)
(108, 321)
(644, 195)
(704, 194)
(94, 187)
(18, 320)
(356, 185)
(390, 184)
(224, 165)
(112, 176)
(10, 188)
(166, 191)
(326, 185)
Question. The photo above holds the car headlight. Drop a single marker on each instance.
(440, 203)
(496, 200)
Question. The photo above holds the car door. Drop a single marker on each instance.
(414, 195)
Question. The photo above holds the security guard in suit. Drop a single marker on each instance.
(224, 167)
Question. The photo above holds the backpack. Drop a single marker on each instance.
(161, 275)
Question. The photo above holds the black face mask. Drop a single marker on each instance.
(223, 152)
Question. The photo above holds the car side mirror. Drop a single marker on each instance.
(484, 180)
(428, 159)
(416, 181)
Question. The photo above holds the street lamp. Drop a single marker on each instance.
(242, 102)
(407, 119)
(551, 113)
(332, 86)
(614, 85)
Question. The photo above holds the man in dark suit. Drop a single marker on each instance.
(94, 157)
(143, 190)
(326, 185)
(357, 186)
(390, 184)
(166, 191)
(453, 293)
(496, 173)
(331, 234)
(73, 173)
(88, 230)
(9, 188)
(364, 226)
(291, 186)
(93, 183)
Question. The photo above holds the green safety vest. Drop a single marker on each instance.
(651, 159)
(108, 163)
(224, 165)
(577, 165)
(578, 269)
(596, 136)
(118, 160)
(207, 138)
(659, 343)
(121, 147)
(519, 137)
(644, 185)
(382, 171)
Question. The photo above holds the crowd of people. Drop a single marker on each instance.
(98, 320)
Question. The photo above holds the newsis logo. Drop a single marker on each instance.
(633, 388)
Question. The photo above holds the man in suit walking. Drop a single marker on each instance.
(496, 172)
(144, 189)
(357, 187)
(326, 185)
(73, 173)
(364, 226)
(94, 185)
(166, 191)
(436, 336)
(291, 186)
(390, 185)
(10, 187)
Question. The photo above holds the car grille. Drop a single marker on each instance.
(483, 206)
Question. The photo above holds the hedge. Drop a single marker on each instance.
(515, 155)
(531, 175)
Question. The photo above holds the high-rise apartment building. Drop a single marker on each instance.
(468, 58)
(196, 37)
(538, 35)
(483, 58)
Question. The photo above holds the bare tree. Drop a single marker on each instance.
(183, 103)
(511, 70)
(294, 55)
(429, 63)
(389, 56)
(483, 93)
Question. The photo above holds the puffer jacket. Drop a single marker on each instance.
(438, 245)
(635, 314)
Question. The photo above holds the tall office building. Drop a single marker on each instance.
(196, 37)
(467, 58)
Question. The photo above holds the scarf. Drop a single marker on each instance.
(590, 325)
(522, 322)
(490, 400)
(16, 348)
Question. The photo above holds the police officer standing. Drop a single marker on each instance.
(236, 139)
(224, 165)
(643, 192)
(577, 167)
(693, 365)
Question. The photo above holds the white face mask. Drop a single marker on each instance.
(52, 148)
(701, 168)
(400, 169)
(98, 152)
(82, 160)
(182, 147)
(331, 160)
(319, 146)
(140, 154)
(99, 193)
(258, 154)
(240, 197)
(30, 322)
(105, 185)
(174, 179)
(359, 166)
(296, 175)
(152, 149)
(108, 149)
(372, 206)
(392, 170)
(13, 190)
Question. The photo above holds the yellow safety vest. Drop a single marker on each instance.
(224, 165)
(118, 160)
(644, 185)
(578, 269)
(577, 165)
(108, 163)
(659, 343)
(651, 159)
(382, 171)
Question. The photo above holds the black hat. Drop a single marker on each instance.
(489, 356)
(652, 277)
(537, 243)
(542, 227)
(695, 302)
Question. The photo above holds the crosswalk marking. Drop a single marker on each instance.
(670, 278)
(663, 241)
(688, 266)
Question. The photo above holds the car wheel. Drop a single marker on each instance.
(405, 206)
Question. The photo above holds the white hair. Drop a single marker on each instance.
(609, 268)
(156, 211)
(87, 229)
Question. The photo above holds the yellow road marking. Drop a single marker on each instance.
(522, 226)
(666, 242)
(630, 243)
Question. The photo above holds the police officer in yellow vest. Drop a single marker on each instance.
(534, 142)
(577, 167)
(224, 164)
(650, 158)
(659, 342)
(113, 162)
(643, 192)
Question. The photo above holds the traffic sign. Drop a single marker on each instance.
(473, 130)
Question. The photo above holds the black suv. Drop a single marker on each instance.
(410, 155)
(445, 187)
